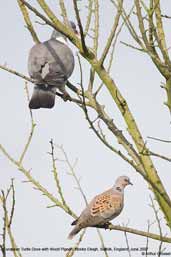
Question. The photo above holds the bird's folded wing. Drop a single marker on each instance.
(106, 205)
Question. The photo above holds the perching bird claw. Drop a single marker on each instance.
(106, 225)
(66, 97)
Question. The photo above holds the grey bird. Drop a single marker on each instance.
(103, 208)
(50, 64)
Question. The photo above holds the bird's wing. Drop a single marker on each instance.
(107, 205)
(101, 209)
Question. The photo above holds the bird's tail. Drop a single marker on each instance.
(43, 97)
(75, 230)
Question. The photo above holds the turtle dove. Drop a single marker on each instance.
(103, 208)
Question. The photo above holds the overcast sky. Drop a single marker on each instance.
(34, 225)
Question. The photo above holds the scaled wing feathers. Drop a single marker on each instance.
(106, 204)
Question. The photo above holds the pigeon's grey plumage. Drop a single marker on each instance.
(50, 64)
(102, 208)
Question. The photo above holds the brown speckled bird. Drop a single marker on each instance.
(103, 208)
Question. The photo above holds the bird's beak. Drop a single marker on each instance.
(130, 183)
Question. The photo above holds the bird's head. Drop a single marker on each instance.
(57, 34)
(122, 182)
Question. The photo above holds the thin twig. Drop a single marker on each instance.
(166, 16)
(113, 32)
(133, 47)
(73, 173)
(3, 67)
(56, 178)
(31, 130)
(161, 33)
(129, 25)
(147, 240)
(113, 51)
(96, 26)
(159, 225)
(3, 246)
(95, 42)
(127, 243)
(159, 139)
(80, 26)
(64, 11)
(28, 21)
(8, 220)
(89, 16)
(71, 252)
(13, 204)
(159, 156)
(102, 242)
(55, 173)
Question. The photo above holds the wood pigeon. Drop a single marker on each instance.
(50, 64)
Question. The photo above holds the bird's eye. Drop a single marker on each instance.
(126, 180)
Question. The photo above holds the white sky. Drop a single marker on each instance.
(139, 81)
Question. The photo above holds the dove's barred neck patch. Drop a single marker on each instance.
(119, 189)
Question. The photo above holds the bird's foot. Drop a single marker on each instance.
(66, 97)
(106, 225)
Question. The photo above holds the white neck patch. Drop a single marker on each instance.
(62, 40)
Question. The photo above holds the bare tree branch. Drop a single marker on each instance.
(3, 246)
(160, 140)
(64, 11)
(31, 130)
(8, 222)
(89, 17)
(113, 32)
(28, 21)
(158, 224)
(138, 232)
(71, 252)
(80, 26)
